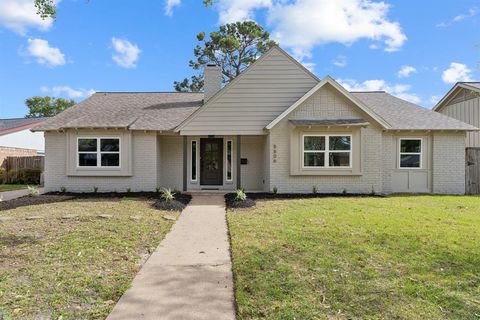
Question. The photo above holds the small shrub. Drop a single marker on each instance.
(168, 194)
(31, 176)
(275, 190)
(95, 189)
(344, 191)
(372, 193)
(158, 189)
(33, 191)
(314, 189)
(63, 189)
(3, 176)
(129, 190)
(240, 195)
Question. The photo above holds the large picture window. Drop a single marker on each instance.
(98, 152)
(327, 151)
(410, 153)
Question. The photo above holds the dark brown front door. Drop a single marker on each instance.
(211, 164)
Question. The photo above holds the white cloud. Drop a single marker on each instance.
(340, 61)
(434, 99)
(67, 91)
(399, 90)
(21, 15)
(457, 72)
(44, 53)
(406, 71)
(302, 24)
(470, 14)
(169, 5)
(240, 10)
(126, 54)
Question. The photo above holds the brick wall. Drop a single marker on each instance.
(144, 177)
(449, 163)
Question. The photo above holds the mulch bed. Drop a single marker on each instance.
(252, 197)
(178, 204)
(33, 200)
(181, 200)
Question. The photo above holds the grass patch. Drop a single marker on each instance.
(78, 267)
(11, 187)
(404, 257)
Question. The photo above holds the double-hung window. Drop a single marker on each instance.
(327, 151)
(410, 153)
(98, 152)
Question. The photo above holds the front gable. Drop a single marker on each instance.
(459, 93)
(326, 104)
(328, 100)
(252, 100)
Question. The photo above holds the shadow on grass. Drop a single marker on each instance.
(14, 240)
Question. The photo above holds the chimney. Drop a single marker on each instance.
(213, 80)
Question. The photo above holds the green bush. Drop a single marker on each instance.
(3, 176)
(240, 195)
(23, 176)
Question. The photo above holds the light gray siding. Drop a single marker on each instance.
(466, 108)
(254, 99)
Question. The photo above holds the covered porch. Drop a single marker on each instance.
(210, 163)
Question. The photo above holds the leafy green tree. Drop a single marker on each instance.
(46, 106)
(46, 8)
(233, 48)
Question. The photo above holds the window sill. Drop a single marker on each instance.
(326, 172)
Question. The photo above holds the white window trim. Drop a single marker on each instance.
(327, 151)
(99, 153)
(410, 153)
(226, 160)
(197, 162)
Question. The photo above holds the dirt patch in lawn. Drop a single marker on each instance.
(74, 259)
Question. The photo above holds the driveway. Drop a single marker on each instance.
(189, 276)
(9, 195)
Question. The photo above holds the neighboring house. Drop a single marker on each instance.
(16, 139)
(274, 126)
(462, 102)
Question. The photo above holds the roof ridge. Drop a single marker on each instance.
(147, 92)
(23, 118)
(372, 91)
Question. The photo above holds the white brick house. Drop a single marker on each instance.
(275, 126)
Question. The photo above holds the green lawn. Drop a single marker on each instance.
(10, 187)
(76, 268)
(403, 257)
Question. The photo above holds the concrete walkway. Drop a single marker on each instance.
(189, 276)
(10, 195)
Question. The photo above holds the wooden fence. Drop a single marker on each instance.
(472, 171)
(31, 162)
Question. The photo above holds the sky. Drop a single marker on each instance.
(415, 50)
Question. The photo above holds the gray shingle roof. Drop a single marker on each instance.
(404, 115)
(165, 111)
(6, 124)
(133, 110)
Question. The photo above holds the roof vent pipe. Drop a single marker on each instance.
(213, 80)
